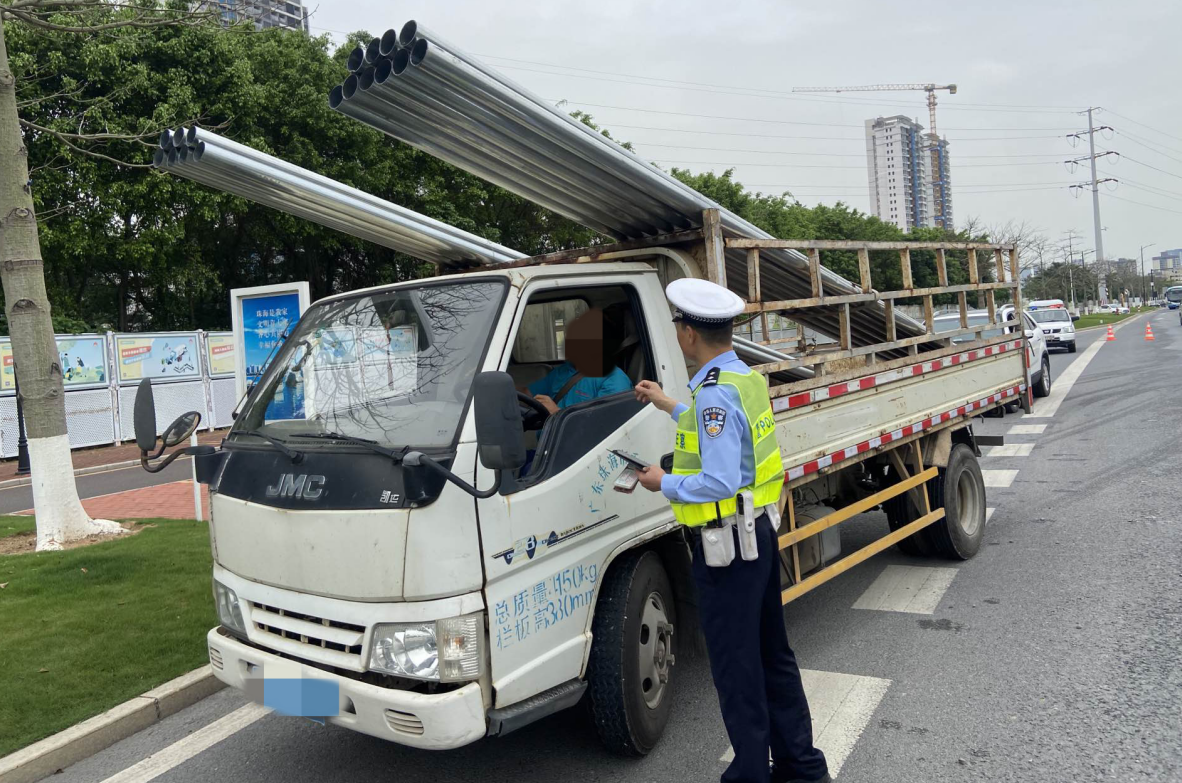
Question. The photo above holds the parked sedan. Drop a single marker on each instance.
(1040, 364)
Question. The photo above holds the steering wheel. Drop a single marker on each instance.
(536, 415)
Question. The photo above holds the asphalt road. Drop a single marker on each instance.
(1053, 655)
(15, 499)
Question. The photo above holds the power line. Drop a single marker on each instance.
(1143, 204)
(732, 164)
(752, 92)
(1148, 166)
(773, 122)
(1143, 125)
(827, 154)
(810, 138)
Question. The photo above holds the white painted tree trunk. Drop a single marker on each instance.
(60, 516)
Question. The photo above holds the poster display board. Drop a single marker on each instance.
(83, 360)
(262, 316)
(220, 354)
(161, 357)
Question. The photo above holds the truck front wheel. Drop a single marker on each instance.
(631, 660)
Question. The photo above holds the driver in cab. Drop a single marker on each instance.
(584, 375)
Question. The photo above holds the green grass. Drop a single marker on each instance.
(11, 526)
(75, 643)
(1101, 319)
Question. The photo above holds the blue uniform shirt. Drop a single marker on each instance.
(586, 389)
(724, 440)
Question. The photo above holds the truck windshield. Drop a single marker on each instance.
(394, 368)
(1047, 316)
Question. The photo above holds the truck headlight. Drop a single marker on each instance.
(447, 650)
(229, 613)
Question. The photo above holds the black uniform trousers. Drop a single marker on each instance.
(755, 672)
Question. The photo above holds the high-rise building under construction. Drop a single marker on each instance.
(902, 181)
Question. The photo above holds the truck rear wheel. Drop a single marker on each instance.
(900, 511)
(960, 489)
(631, 660)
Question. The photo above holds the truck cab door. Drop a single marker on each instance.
(547, 541)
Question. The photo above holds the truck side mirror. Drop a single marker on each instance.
(145, 417)
(179, 431)
(499, 434)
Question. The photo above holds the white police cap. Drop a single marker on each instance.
(703, 301)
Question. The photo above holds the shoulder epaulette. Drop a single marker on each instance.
(711, 378)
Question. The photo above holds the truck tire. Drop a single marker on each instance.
(960, 489)
(901, 511)
(1043, 387)
(628, 672)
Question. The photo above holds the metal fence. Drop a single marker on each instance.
(189, 371)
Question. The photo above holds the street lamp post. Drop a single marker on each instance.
(1143, 292)
(22, 445)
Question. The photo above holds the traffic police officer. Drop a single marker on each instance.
(726, 451)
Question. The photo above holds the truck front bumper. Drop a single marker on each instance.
(430, 721)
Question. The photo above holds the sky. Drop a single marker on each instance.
(708, 86)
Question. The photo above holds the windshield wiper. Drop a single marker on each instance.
(292, 454)
(372, 445)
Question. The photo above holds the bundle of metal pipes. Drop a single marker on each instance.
(421, 90)
(213, 160)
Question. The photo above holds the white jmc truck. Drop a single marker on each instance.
(375, 524)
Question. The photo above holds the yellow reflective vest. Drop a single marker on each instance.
(769, 466)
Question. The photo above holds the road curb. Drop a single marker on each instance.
(52, 754)
(24, 481)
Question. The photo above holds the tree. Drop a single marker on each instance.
(59, 513)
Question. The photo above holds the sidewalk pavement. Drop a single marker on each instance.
(109, 455)
(173, 500)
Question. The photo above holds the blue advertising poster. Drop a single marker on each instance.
(265, 321)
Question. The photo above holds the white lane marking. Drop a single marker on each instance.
(1048, 406)
(182, 750)
(841, 706)
(998, 478)
(1027, 429)
(989, 514)
(912, 589)
(1011, 450)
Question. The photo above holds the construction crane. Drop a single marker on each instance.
(934, 139)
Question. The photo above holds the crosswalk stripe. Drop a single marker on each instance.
(999, 478)
(1011, 450)
(989, 514)
(902, 588)
(1027, 429)
(841, 706)
(182, 750)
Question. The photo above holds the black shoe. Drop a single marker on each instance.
(777, 778)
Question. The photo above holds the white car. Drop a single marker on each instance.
(1040, 365)
(1056, 327)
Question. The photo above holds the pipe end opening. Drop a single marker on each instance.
(418, 52)
(158, 158)
(356, 59)
(409, 31)
(366, 77)
(166, 140)
(191, 136)
(178, 137)
(389, 43)
(401, 61)
(349, 88)
(335, 97)
(383, 71)
(373, 51)
(198, 151)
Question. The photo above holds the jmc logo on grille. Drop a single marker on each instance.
(301, 487)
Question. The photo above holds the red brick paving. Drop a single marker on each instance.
(109, 455)
(170, 501)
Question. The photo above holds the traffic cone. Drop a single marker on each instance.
(1111, 336)
(1149, 333)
